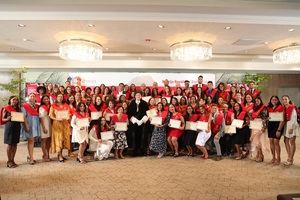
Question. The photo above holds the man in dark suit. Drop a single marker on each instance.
(137, 118)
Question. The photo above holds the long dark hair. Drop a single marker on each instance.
(290, 102)
(42, 99)
(270, 105)
(257, 107)
(18, 104)
(240, 109)
(79, 105)
(74, 102)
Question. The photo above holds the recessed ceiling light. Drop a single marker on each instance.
(266, 42)
(25, 40)
(91, 25)
(21, 25)
(106, 48)
(161, 26)
(154, 49)
(227, 28)
(291, 30)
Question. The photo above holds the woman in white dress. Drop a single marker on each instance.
(45, 123)
(290, 129)
(101, 147)
(80, 131)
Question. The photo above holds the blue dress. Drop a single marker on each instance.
(34, 125)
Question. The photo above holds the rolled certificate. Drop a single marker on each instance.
(175, 123)
(156, 120)
(17, 117)
(121, 126)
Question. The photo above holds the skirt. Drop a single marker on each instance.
(202, 138)
(120, 141)
(272, 129)
(189, 138)
(173, 132)
(158, 141)
(12, 133)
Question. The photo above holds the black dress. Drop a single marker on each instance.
(272, 129)
(242, 135)
(11, 131)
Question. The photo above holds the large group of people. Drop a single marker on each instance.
(129, 120)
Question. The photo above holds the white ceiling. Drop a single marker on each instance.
(122, 25)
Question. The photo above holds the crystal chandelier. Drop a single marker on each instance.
(287, 55)
(191, 51)
(80, 50)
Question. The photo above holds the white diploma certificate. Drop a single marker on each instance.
(156, 120)
(121, 126)
(256, 124)
(62, 114)
(202, 126)
(229, 129)
(168, 99)
(151, 113)
(276, 116)
(237, 123)
(84, 122)
(17, 117)
(191, 126)
(96, 115)
(175, 123)
(108, 135)
(147, 98)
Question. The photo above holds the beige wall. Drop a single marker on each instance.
(280, 84)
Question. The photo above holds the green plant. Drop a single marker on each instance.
(257, 78)
(16, 82)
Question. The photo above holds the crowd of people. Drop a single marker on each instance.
(129, 120)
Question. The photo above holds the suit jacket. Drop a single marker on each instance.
(132, 109)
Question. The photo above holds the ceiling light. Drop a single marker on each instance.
(291, 30)
(80, 49)
(266, 42)
(191, 51)
(287, 54)
(25, 40)
(161, 26)
(227, 28)
(91, 25)
(21, 25)
(154, 49)
(106, 48)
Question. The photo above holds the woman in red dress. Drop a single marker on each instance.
(108, 112)
(175, 133)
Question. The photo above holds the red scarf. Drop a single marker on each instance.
(61, 107)
(255, 114)
(33, 111)
(278, 108)
(10, 109)
(288, 112)
(46, 107)
(80, 116)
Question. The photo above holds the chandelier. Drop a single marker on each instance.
(191, 51)
(287, 54)
(80, 50)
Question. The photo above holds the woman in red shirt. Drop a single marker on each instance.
(175, 133)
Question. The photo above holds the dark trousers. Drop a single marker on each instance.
(226, 144)
(136, 140)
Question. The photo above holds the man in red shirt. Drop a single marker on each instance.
(200, 84)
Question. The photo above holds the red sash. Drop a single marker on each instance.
(247, 108)
(80, 116)
(278, 108)
(9, 109)
(256, 114)
(47, 108)
(193, 118)
(241, 115)
(29, 109)
(288, 112)
(217, 123)
(177, 116)
(61, 107)
(92, 108)
(228, 117)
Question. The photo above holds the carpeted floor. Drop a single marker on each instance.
(146, 178)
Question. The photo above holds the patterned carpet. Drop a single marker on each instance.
(146, 178)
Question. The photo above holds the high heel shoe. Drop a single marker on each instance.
(60, 159)
(80, 160)
(30, 161)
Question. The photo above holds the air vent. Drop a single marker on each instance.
(246, 42)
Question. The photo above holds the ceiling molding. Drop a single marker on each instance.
(151, 16)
